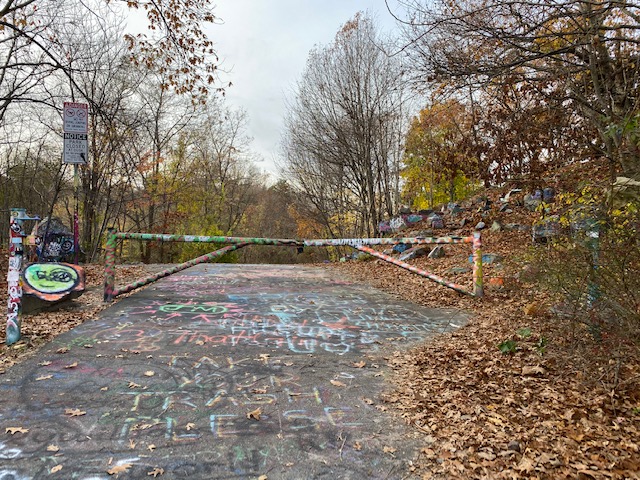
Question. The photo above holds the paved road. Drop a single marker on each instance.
(219, 372)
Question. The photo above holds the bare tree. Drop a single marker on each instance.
(345, 123)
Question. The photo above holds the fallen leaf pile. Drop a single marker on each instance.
(567, 410)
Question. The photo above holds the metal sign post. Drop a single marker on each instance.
(76, 152)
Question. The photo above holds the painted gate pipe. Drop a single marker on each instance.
(159, 237)
(110, 292)
(411, 268)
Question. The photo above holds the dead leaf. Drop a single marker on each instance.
(134, 385)
(104, 389)
(44, 364)
(357, 446)
(264, 357)
(57, 468)
(62, 350)
(132, 444)
(337, 383)
(263, 477)
(124, 468)
(360, 364)
(368, 401)
(72, 365)
(53, 448)
(255, 414)
(199, 342)
(155, 472)
(533, 370)
(190, 426)
(259, 390)
(151, 447)
(525, 465)
(288, 364)
(74, 412)
(389, 450)
(149, 373)
(44, 377)
(14, 430)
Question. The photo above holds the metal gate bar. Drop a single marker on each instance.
(416, 270)
(234, 243)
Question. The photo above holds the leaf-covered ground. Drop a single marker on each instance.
(561, 404)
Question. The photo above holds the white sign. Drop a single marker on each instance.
(76, 117)
(76, 148)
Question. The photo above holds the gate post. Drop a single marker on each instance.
(110, 265)
(14, 284)
(478, 288)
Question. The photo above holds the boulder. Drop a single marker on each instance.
(480, 226)
(401, 247)
(496, 226)
(458, 270)
(435, 221)
(488, 258)
(415, 252)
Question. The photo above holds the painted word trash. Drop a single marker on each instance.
(235, 243)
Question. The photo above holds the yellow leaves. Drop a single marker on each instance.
(74, 412)
(14, 430)
(255, 414)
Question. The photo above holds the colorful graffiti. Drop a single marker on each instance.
(174, 379)
(14, 301)
(53, 282)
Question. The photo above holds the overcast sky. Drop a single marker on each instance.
(264, 46)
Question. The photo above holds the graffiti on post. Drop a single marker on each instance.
(14, 301)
